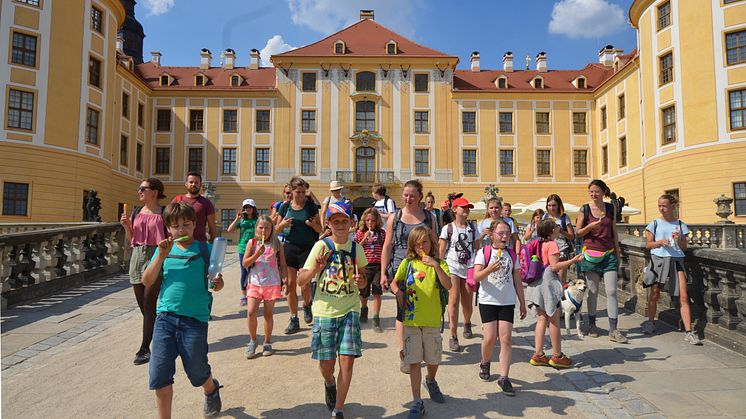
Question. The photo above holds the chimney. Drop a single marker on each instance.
(474, 61)
(618, 53)
(254, 60)
(230, 59)
(508, 62)
(120, 43)
(205, 59)
(606, 56)
(541, 62)
(367, 14)
(155, 58)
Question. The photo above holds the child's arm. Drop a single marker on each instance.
(445, 280)
(442, 248)
(386, 252)
(518, 285)
(651, 243)
(249, 258)
(481, 272)
(557, 266)
(306, 275)
(234, 223)
(154, 268)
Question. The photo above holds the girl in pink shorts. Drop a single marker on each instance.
(265, 260)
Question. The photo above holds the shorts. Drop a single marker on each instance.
(491, 313)
(334, 336)
(178, 336)
(139, 260)
(264, 293)
(373, 280)
(608, 264)
(295, 256)
(422, 344)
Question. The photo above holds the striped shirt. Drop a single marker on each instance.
(374, 247)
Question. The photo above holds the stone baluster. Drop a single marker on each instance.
(711, 295)
(741, 302)
(74, 251)
(87, 256)
(14, 257)
(60, 258)
(112, 248)
(730, 293)
(27, 265)
(5, 267)
(45, 262)
(102, 249)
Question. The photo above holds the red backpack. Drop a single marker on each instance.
(532, 268)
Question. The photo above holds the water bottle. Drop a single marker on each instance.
(217, 256)
(675, 237)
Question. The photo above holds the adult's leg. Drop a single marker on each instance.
(150, 298)
(139, 290)
(592, 280)
(251, 311)
(612, 305)
(541, 327)
(269, 307)
(466, 301)
(346, 364)
(489, 336)
(654, 294)
(686, 314)
(292, 292)
(163, 398)
(454, 295)
(505, 330)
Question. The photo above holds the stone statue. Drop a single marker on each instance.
(211, 192)
(91, 207)
(490, 192)
(618, 204)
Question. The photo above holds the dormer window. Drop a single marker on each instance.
(502, 82)
(538, 83)
(579, 82)
(235, 80)
(391, 48)
(165, 80)
(339, 47)
(199, 80)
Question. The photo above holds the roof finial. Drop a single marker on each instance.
(528, 61)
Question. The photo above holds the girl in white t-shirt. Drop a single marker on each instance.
(497, 272)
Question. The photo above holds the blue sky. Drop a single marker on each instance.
(570, 31)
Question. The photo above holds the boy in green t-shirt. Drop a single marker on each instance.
(339, 264)
(417, 287)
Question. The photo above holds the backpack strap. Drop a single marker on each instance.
(487, 253)
(397, 220)
(179, 198)
(283, 210)
(586, 213)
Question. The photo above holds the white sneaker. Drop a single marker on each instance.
(692, 338)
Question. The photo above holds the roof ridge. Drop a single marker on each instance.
(323, 39)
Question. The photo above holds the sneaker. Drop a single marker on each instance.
(403, 366)
(484, 371)
(561, 361)
(363, 314)
(213, 404)
(142, 357)
(648, 327)
(330, 396)
(692, 338)
(453, 345)
(307, 315)
(267, 350)
(434, 391)
(242, 302)
(592, 331)
(467, 331)
(338, 415)
(617, 336)
(417, 411)
(377, 325)
(251, 350)
(539, 360)
(293, 326)
(505, 386)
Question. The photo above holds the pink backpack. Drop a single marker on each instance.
(532, 268)
(487, 253)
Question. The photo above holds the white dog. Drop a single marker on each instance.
(572, 302)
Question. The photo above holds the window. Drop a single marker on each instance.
(739, 197)
(470, 162)
(391, 48)
(543, 162)
(737, 109)
(199, 80)
(578, 123)
(603, 118)
(165, 80)
(195, 159)
(196, 120)
(469, 122)
(138, 157)
(125, 105)
(735, 47)
(96, 21)
(229, 161)
(309, 82)
(123, 150)
(365, 115)
(262, 162)
(669, 125)
(339, 48)
(581, 83)
(94, 72)
(230, 120)
(420, 82)
(15, 198)
(308, 161)
(664, 15)
(605, 159)
(262, 120)
(162, 160)
(140, 114)
(538, 83)
(675, 193)
(506, 122)
(21, 110)
(308, 121)
(163, 120)
(365, 81)
(622, 108)
(24, 49)
(623, 152)
(91, 127)
(580, 162)
(420, 122)
(421, 162)
(506, 163)
(542, 122)
(666, 69)
(36, 2)
(502, 83)
(227, 215)
(235, 80)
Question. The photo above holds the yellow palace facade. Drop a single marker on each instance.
(82, 112)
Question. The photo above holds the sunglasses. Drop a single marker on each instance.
(143, 189)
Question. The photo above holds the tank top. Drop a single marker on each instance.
(602, 239)
(401, 237)
(265, 271)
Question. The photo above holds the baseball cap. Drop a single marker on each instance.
(248, 202)
(335, 185)
(461, 202)
(338, 208)
(454, 195)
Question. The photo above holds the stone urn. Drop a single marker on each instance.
(723, 209)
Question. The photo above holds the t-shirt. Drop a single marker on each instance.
(460, 253)
(485, 224)
(246, 228)
(265, 272)
(548, 248)
(422, 297)
(204, 208)
(374, 247)
(663, 231)
(385, 206)
(300, 234)
(331, 199)
(184, 289)
(336, 292)
(498, 289)
(562, 242)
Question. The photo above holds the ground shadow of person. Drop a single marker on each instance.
(319, 410)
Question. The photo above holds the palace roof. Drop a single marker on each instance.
(218, 78)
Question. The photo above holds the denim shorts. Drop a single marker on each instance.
(336, 336)
(174, 336)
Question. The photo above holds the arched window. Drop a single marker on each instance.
(365, 115)
(365, 165)
(365, 81)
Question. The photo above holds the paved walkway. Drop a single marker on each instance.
(70, 355)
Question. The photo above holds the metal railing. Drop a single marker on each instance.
(353, 177)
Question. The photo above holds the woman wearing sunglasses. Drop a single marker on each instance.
(144, 229)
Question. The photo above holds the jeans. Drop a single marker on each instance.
(244, 274)
(173, 336)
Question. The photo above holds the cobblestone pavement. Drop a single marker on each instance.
(70, 355)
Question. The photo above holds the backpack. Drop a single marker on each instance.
(473, 284)
(205, 255)
(137, 211)
(340, 255)
(397, 220)
(442, 292)
(283, 210)
(532, 268)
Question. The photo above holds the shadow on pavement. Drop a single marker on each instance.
(622, 355)
(319, 410)
(236, 412)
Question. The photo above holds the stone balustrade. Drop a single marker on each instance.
(718, 236)
(37, 262)
(7, 228)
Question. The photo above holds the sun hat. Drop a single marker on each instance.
(335, 185)
(248, 201)
(461, 202)
(338, 208)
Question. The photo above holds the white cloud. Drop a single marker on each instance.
(158, 7)
(329, 16)
(586, 18)
(275, 45)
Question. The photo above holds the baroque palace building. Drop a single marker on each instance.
(83, 112)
